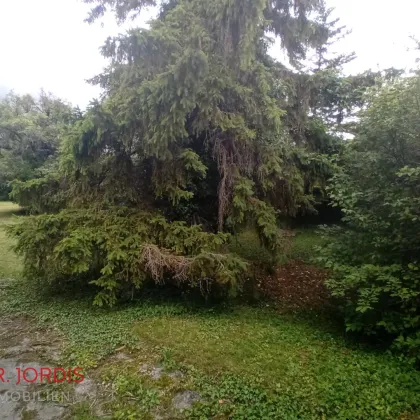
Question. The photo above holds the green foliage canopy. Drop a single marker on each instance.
(376, 260)
(31, 130)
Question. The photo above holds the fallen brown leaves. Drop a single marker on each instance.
(296, 285)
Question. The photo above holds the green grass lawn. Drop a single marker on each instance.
(299, 247)
(303, 244)
(10, 265)
(247, 362)
(305, 369)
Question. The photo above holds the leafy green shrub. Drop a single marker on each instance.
(376, 269)
(121, 248)
(381, 300)
(375, 261)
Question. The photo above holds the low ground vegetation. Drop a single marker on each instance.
(10, 263)
(257, 361)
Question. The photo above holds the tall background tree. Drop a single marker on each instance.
(31, 129)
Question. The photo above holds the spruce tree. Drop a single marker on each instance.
(195, 97)
(191, 142)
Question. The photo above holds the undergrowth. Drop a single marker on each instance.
(246, 362)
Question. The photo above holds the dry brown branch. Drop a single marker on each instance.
(157, 261)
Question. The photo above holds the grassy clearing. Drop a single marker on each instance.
(299, 247)
(247, 362)
(303, 244)
(10, 265)
(311, 368)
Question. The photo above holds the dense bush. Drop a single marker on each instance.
(120, 248)
(375, 259)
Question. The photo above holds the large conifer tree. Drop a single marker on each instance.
(192, 139)
(197, 99)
